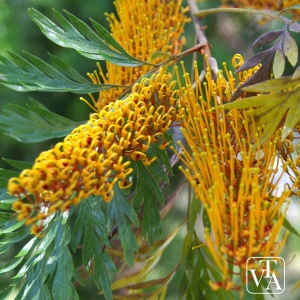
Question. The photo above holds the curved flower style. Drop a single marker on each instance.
(232, 174)
(143, 27)
(97, 155)
(243, 76)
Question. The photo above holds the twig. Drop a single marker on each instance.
(202, 40)
(205, 12)
(200, 35)
(172, 58)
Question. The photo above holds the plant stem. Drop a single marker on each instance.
(205, 12)
(200, 35)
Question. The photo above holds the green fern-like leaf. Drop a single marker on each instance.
(77, 35)
(148, 192)
(120, 210)
(90, 226)
(34, 123)
(31, 281)
(33, 74)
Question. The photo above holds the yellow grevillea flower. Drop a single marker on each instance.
(141, 27)
(232, 175)
(97, 155)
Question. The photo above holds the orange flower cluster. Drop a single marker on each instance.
(142, 27)
(230, 176)
(97, 155)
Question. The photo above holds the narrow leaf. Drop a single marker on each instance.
(61, 262)
(194, 211)
(210, 294)
(33, 74)
(264, 73)
(128, 279)
(12, 228)
(206, 222)
(4, 217)
(91, 219)
(296, 286)
(6, 201)
(268, 37)
(148, 191)
(296, 74)
(101, 277)
(61, 288)
(293, 116)
(121, 210)
(25, 250)
(34, 124)
(107, 37)
(163, 155)
(156, 168)
(273, 85)
(278, 64)
(4, 248)
(182, 287)
(5, 175)
(77, 277)
(79, 36)
(21, 165)
(84, 30)
(288, 225)
(195, 286)
(152, 283)
(120, 60)
(78, 227)
(67, 70)
(160, 54)
(151, 217)
(186, 252)
(253, 61)
(272, 110)
(68, 36)
(47, 240)
(290, 49)
(10, 265)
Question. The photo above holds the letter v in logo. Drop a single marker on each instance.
(254, 275)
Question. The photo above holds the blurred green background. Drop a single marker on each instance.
(228, 34)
